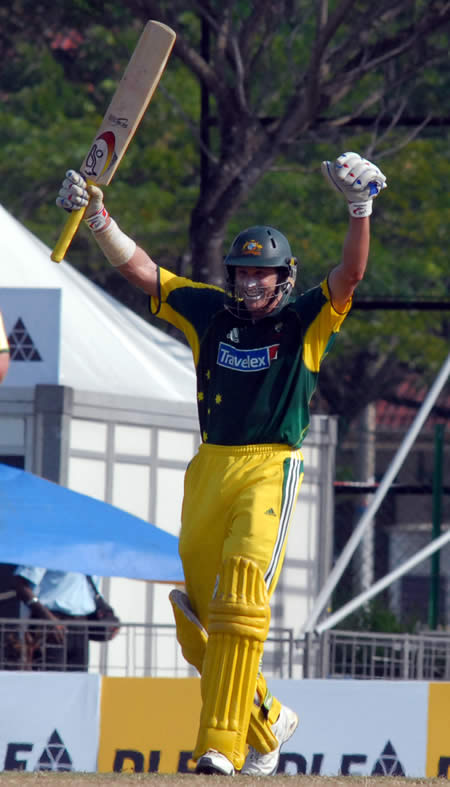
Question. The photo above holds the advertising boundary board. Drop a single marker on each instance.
(346, 726)
(82, 722)
(438, 732)
(148, 724)
(49, 721)
(356, 727)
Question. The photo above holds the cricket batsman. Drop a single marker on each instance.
(257, 348)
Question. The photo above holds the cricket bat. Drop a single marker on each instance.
(131, 99)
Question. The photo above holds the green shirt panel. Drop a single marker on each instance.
(254, 380)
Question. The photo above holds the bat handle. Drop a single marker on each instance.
(69, 230)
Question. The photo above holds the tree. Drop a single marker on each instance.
(275, 76)
(338, 62)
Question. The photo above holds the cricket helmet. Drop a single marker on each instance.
(260, 247)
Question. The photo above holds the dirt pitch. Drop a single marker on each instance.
(21, 779)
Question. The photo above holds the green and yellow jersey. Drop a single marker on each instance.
(254, 379)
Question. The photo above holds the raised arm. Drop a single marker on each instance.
(140, 270)
(359, 181)
(120, 250)
(343, 279)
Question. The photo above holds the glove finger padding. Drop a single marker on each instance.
(355, 177)
(358, 174)
(72, 194)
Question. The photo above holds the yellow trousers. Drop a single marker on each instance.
(238, 501)
(238, 504)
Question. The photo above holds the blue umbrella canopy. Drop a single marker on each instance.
(44, 524)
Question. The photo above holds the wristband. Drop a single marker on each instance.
(98, 220)
(117, 247)
(360, 209)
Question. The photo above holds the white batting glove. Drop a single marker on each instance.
(72, 194)
(75, 194)
(357, 179)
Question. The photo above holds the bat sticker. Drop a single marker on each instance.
(123, 122)
(101, 156)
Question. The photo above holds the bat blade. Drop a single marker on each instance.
(125, 112)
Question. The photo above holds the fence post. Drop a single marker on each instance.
(433, 611)
(306, 646)
(291, 654)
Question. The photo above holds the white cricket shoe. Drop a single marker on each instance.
(257, 764)
(213, 762)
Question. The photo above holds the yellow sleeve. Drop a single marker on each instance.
(186, 304)
(167, 283)
(322, 331)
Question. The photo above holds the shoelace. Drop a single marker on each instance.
(253, 754)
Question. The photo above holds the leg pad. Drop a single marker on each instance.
(239, 619)
(192, 637)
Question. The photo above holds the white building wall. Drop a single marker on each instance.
(138, 466)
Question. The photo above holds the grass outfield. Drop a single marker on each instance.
(22, 779)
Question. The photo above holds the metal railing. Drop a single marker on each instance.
(152, 650)
(347, 654)
(138, 649)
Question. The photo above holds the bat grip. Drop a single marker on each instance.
(69, 230)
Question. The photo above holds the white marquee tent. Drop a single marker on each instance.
(88, 340)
